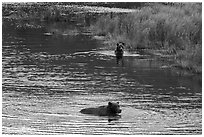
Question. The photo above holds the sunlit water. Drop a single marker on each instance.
(48, 79)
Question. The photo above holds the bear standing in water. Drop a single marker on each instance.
(119, 51)
(112, 109)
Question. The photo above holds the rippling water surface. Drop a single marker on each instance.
(48, 79)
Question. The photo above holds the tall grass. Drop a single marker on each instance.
(32, 11)
(176, 28)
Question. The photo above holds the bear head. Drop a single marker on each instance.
(113, 108)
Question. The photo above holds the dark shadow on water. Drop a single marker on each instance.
(113, 118)
(120, 61)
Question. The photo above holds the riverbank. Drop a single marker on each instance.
(55, 11)
(165, 29)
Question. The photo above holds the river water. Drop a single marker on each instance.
(47, 78)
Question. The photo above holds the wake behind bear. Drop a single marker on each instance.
(112, 109)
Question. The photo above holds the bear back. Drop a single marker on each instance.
(110, 109)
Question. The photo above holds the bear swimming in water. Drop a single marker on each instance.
(112, 109)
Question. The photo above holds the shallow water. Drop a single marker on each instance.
(48, 79)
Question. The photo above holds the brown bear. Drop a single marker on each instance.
(112, 109)
(119, 51)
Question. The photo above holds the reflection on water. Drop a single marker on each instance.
(47, 80)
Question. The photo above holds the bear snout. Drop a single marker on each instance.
(119, 111)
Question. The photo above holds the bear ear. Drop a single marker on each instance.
(109, 103)
(117, 102)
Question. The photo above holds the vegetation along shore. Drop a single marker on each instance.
(173, 29)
